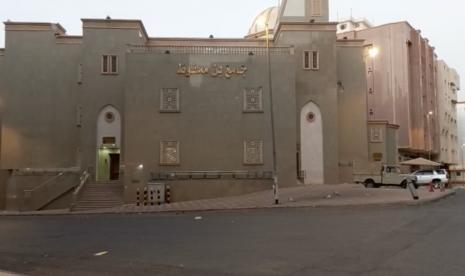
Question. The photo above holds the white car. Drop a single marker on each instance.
(425, 177)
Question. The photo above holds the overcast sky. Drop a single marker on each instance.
(439, 20)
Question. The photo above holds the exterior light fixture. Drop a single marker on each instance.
(373, 52)
(140, 167)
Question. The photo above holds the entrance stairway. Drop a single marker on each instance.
(100, 195)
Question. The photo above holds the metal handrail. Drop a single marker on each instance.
(48, 190)
(45, 170)
(45, 183)
(212, 174)
(82, 182)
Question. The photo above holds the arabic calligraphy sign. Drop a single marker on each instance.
(215, 71)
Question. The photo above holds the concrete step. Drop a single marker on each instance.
(100, 195)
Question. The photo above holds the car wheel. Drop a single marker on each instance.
(437, 184)
(370, 184)
(403, 184)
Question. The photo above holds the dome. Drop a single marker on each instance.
(269, 16)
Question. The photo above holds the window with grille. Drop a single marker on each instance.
(311, 60)
(316, 7)
(109, 65)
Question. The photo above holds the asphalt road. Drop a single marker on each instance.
(395, 240)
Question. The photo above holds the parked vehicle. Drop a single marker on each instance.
(436, 177)
(374, 175)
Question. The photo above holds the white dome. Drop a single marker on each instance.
(269, 16)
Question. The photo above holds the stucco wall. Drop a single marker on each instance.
(352, 105)
(97, 90)
(320, 87)
(450, 152)
(58, 187)
(39, 100)
(404, 83)
(211, 126)
(4, 175)
(302, 11)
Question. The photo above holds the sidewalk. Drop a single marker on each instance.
(309, 196)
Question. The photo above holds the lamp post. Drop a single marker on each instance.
(430, 142)
(264, 22)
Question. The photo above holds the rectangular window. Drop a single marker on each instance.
(315, 60)
(316, 8)
(306, 60)
(105, 65)
(376, 135)
(109, 65)
(114, 64)
(311, 60)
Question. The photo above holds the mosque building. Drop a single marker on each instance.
(207, 117)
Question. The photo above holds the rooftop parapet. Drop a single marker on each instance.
(92, 23)
(34, 26)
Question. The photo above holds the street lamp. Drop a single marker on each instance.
(430, 142)
(263, 21)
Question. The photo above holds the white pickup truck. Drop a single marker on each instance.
(374, 175)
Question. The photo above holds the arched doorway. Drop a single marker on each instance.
(108, 144)
(311, 144)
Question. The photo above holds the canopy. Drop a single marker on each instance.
(421, 162)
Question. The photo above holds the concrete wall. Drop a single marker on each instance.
(39, 100)
(352, 107)
(303, 11)
(4, 175)
(319, 86)
(403, 83)
(211, 126)
(53, 190)
(97, 90)
(450, 152)
(383, 142)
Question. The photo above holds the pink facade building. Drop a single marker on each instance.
(401, 83)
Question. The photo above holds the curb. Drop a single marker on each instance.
(283, 206)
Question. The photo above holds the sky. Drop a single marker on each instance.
(439, 20)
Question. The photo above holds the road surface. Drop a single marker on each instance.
(384, 240)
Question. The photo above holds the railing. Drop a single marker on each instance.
(49, 190)
(82, 182)
(43, 171)
(193, 175)
(212, 50)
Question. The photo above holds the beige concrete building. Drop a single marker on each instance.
(401, 83)
(194, 114)
(448, 83)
